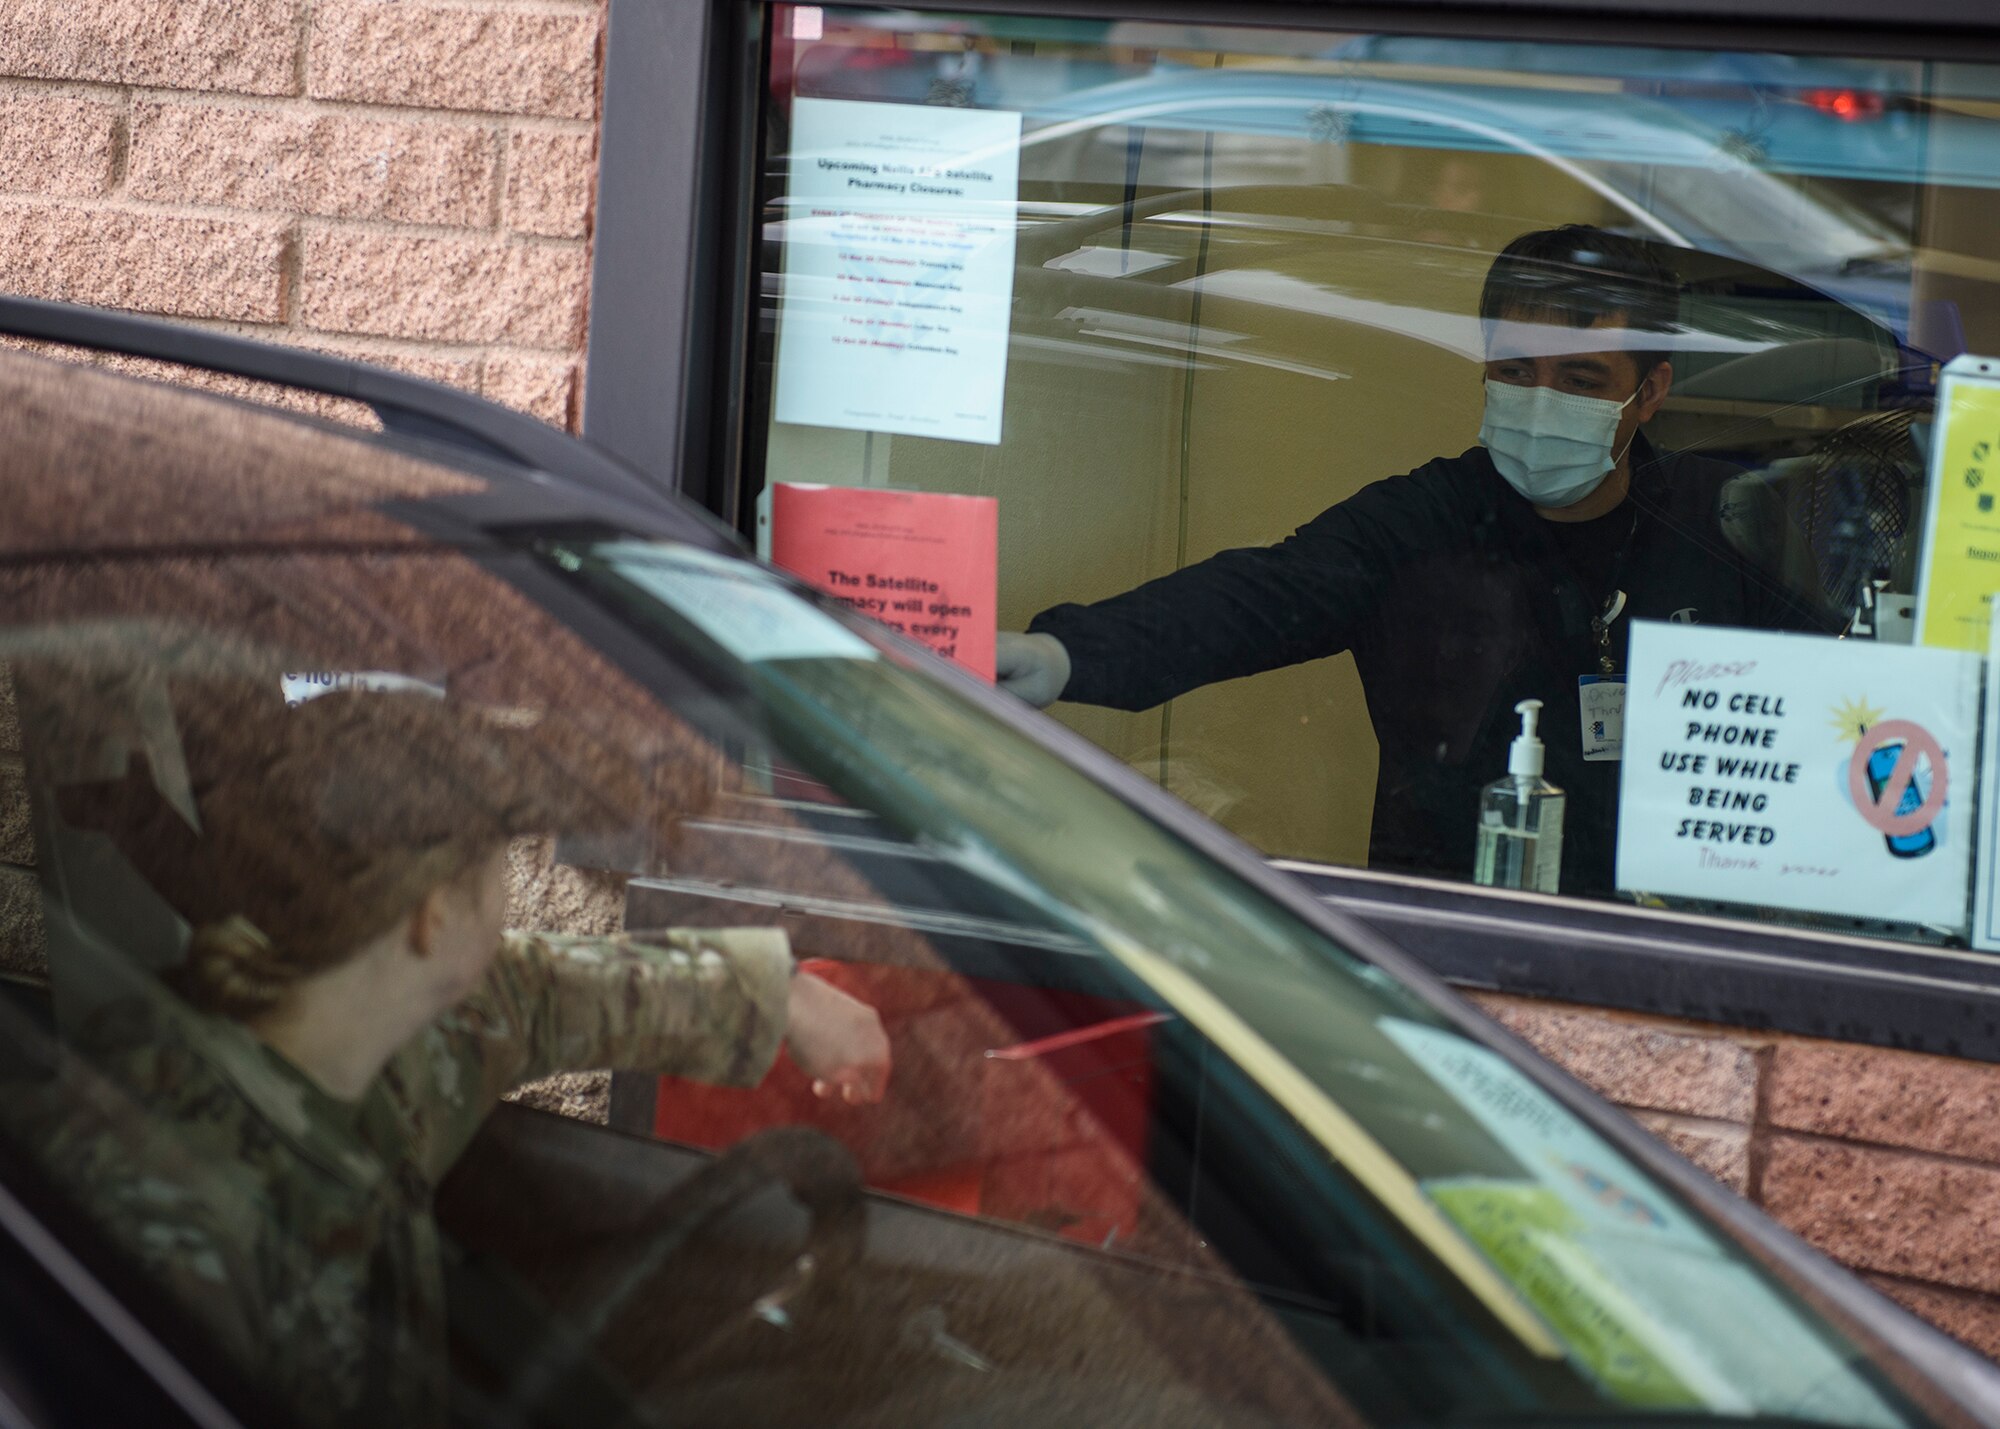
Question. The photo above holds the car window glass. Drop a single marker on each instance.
(1152, 1145)
(1301, 560)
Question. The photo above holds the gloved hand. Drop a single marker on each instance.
(1033, 667)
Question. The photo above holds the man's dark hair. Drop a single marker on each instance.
(1579, 275)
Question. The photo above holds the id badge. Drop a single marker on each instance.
(1601, 700)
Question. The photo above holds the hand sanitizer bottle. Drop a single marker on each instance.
(1521, 818)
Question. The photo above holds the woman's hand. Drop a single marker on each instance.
(837, 1040)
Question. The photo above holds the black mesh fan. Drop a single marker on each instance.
(1857, 505)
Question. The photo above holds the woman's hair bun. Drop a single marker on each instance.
(233, 969)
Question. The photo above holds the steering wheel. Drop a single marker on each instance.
(816, 1170)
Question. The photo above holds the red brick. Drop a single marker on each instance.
(1723, 1151)
(445, 56)
(550, 179)
(539, 386)
(332, 164)
(453, 369)
(1892, 1211)
(246, 46)
(56, 144)
(1636, 1063)
(445, 289)
(1895, 1098)
(189, 267)
(1973, 1320)
(542, 893)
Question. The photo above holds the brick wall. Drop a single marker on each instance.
(1887, 1161)
(405, 181)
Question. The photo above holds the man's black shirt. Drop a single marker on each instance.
(1594, 549)
(1457, 601)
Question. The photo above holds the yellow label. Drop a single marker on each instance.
(1962, 547)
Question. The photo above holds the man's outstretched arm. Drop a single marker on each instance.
(1241, 612)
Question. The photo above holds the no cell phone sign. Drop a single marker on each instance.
(1894, 802)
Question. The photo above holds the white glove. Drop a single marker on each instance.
(1033, 667)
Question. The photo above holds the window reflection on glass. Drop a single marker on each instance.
(1351, 377)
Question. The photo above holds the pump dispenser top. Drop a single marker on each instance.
(1524, 755)
(1521, 818)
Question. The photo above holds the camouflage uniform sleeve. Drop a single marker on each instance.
(709, 1004)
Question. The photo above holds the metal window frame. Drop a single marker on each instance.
(670, 250)
(669, 328)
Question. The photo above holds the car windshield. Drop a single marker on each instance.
(1583, 1275)
(956, 1084)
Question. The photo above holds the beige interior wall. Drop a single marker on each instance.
(1269, 450)
(1490, 185)
(827, 456)
(1956, 228)
(1086, 483)
(1306, 413)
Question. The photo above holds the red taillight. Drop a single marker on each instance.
(1851, 106)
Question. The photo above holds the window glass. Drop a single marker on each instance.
(1053, 1119)
(1336, 387)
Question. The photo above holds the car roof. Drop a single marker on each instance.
(100, 461)
(214, 472)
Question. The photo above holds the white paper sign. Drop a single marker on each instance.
(898, 268)
(737, 605)
(302, 685)
(1794, 771)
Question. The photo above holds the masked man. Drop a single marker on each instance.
(1509, 572)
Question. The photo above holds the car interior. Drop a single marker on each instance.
(773, 1282)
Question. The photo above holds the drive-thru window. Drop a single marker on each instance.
(1166, 291)
(1353, 396)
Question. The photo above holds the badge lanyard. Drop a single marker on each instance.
(1600, 626)
(1601, 697)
